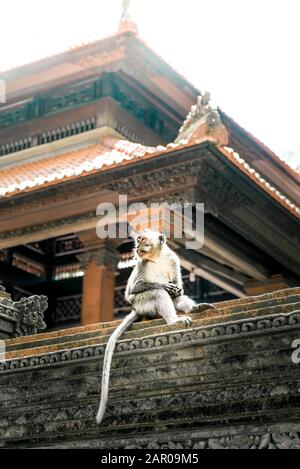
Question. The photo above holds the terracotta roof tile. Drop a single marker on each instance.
(239, 162)
(71, 165)
(103, 156)
(294, 173)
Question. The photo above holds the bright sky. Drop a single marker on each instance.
(245, 52)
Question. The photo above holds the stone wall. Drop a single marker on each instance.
(227, 381)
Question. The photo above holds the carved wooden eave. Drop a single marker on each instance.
(231, 380)
(124, 51)
(202, 172)
(253, 210)
(115, 100)
(263, 160)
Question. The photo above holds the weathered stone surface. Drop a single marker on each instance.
(21, 318)
(227, 381)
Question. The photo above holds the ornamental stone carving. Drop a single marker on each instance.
(203, 123)
(20, 318)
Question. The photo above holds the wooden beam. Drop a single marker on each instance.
(190, 261)
(276, 282)
(212, 266)
(219, 248)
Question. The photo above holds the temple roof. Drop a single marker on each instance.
(105, 156)
(122, 51)
(229, 122)
(71, 165)
(127, 52)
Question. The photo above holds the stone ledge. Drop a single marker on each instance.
(224, 308)
(168, 338)
(285, 301)
(227, 381)
(284, 436)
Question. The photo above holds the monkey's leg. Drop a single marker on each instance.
(166, 309)
(185, 304)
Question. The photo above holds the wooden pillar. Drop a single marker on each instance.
(98, 260)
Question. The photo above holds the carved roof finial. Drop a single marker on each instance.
(127, 24)
(126, 7)
(203, 123)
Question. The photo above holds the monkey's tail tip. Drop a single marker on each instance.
(99, 418)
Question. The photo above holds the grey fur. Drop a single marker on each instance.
(130, 319)
(154, 289)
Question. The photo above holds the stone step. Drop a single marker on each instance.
(106, 328)
(266, 304)
(224, 308)
(265, 297)
(291, 303)
(143, 329)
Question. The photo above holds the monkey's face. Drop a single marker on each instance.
(149, 243)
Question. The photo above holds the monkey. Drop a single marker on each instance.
(154, 289)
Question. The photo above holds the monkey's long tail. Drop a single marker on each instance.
(130, 319)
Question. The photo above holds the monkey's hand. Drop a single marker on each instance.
(180, 292)
(141, 287)
(173, 290)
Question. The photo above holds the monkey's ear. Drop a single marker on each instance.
(162, 239)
